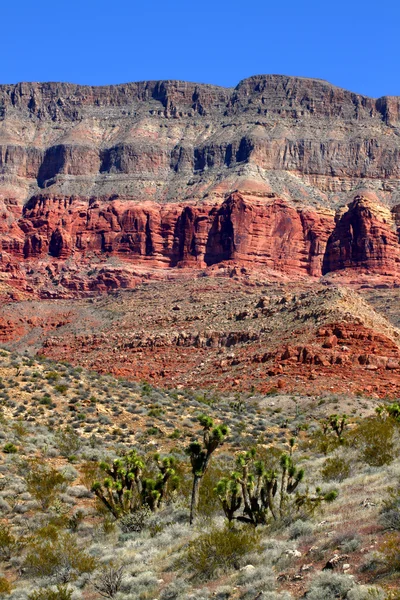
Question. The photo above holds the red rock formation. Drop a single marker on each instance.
(364, 237)
(268, 232)
(146, 172)
(264, 233)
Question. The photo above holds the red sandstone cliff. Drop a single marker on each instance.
(266, 234)
(146, 173)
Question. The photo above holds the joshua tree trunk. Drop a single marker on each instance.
(195, 497)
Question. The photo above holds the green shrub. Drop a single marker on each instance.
(46, 400)
(61, 388)
(68, 442)
(335, 469)
(44, 483)
(374, 439)
(60, 558)
(52, 376)
(9, 544)
(220, 551)
(5, 587)
(61, 592)
(10, 448)
(390, 551)
(208, 500)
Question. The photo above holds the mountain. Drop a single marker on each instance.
(101, 187)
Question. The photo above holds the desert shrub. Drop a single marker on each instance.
(300, 528)
(90, 472)
(9, 545)
(52, 376)
(109, 581)
(10, 448)
(328, 585)
(390, 513)
(253, 580)
(363, 592)
(322, 442)
(58, 556)
(220, 550)
(68, 442)
(46, 400)
(174, 590)
(136, 521)
(390, 552)
(374, 439)
(44, 483)
(392, 595)
(61, 388)
(208, 500)
(19, 427)
(5, 587)
(335, 468)
(61, 592)
(347, 540)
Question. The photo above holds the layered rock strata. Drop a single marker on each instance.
(147, 172)
(262, 233)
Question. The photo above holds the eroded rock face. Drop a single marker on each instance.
(364, 237)
(268, 232)
(147, 174)
(262, 233)
(173, 140)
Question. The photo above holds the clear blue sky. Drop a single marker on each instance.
(350, 43)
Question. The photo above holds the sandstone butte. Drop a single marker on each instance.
(103, 186)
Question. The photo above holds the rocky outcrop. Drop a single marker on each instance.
(364, 237)
(264, 233)
(267, 232)
(173, 140)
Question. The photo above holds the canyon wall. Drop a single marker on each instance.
(283, 174)
(256, 233)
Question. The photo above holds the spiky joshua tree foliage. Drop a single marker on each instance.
(125, 488)
(200, 455)
(265, 492)
(336, 424)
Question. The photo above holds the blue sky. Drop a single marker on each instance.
(352, 44)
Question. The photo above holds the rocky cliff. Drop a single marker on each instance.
(284, 174)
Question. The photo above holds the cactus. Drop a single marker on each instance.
(200, 455)
(125, 489)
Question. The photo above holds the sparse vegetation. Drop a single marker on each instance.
(256, 523)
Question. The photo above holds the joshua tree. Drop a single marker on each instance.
(200, 455)
(389, 410)
(229, 494)
(261, 486)
(265, 490)
(335, 423)
(125, 489)
(154, 490)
